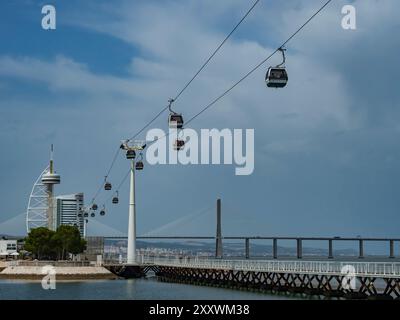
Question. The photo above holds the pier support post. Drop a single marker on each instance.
(361, 248)
(275, 248)
(391, 244)
(299, 249)
(218, 240)
(247, 248)
(330, 251)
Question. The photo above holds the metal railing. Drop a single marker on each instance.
(378, 269)
(41, 263)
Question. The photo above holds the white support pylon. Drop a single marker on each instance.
(132, 219)
(131, 147)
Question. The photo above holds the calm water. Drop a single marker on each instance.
(124, 289)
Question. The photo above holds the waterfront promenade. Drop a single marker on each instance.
(64, 270)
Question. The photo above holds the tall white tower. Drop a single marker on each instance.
(131, 148)
(49, 179)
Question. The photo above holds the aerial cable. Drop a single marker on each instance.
(119, 186)
(216, 50)
(198, 71)
(182, 90)
(106, 176)
(252, 70)
(239, 81)
(280, 48)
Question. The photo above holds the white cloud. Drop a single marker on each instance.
(64, 74)
(170, 41)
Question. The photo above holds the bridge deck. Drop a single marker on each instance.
(361, 269)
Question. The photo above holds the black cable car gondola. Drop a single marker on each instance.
(103, 211)
(107, 185)
(130, 154)
(86, 214)
(277, 77)
(175, 120)
(92, 215)
(115, 200)
(139, 165)
(94, 206)
(179, 145)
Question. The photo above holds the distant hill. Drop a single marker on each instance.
(232, 249)
(8, 237)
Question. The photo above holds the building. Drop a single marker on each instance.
(94, 248)
(69, 211)
(41, 204)
(8, 246)
(94, 245)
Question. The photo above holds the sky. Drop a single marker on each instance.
(326, 146)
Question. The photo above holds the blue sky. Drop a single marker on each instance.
(327, 154)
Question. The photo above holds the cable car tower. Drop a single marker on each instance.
(131, 148)
(40, 211)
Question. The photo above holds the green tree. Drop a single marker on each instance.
(47, 244)
(39, 243)
(68, 241)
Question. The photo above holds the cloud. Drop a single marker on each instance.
(63, 74)
(310, 128)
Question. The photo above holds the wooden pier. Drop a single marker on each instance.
(368, 280)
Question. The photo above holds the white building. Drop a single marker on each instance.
(68, 211)
(8, 246)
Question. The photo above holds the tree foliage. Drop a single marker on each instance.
(47, 244)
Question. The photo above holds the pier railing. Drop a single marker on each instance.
(378, 269)
(36, 263)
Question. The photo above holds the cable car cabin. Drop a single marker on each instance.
(276, 77)
(102, 212)
(94, 206)
(115, 200)
(107, 186)
(80, 214)
(175, 121)
(179, 145)
(92, 215)
(139, 165)
(131, 154)
(86, 214)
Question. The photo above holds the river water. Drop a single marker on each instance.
(132, 289)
